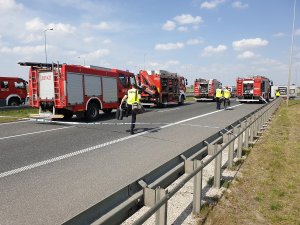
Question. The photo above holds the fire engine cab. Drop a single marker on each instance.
(13, 91)
(65, 89)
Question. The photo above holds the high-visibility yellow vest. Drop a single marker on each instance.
(277, 93)
(227, 94)
(219, 93)
(132, 96)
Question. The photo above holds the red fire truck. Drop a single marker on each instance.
(13, 91)
(161, 87)
(72, 89)
(205, 89)
(253, 89)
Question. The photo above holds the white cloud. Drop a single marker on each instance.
(211, 4)
(297, 32)
(247, 55)
(239, 5)
(61, 28)
(165, 65)
(169, 46)
(183, 29)
(10, 5)
(35, 24)
(106, 41)
(100, 26)
(279, 34)
(169, 25)
(97, 54)
(27, 38)
(249, 43)
(188, 19)
(194, 42)
(210, 50)
(23, 50)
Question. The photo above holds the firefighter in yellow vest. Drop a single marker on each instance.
(133, 100)
(219, 96)
(277, 93)
(227, 96)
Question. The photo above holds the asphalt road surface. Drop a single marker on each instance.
(50, 172)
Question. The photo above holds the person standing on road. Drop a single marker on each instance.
(133, 100)
(227, 96)
(219, 96)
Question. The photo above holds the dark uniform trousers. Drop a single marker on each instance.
(218, 100)
(133, 116)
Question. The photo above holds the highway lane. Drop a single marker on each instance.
(53, 192)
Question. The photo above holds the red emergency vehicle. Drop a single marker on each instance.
(13, 91)
(253, 89)
(161, 87)
(205, 89)
(72, 89)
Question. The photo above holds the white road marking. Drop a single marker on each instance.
(37, 132)
(23, 121)
(69, 155)
(167, 110)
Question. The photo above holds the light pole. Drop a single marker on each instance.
(291, 56)
(83, 60)
(46, 41)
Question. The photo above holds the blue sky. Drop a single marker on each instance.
(220, 39)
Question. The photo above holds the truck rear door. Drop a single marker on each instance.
(46, 85)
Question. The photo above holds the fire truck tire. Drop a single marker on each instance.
(92, 112)
(14, 102)
(107, 111)
(68, 114)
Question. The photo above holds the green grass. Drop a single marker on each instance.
(16, 114)
(267, 187)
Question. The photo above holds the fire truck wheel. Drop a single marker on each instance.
(13, 102)
(107, 111)
(92, 112)
(68, 114)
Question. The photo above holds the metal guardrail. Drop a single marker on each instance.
(150, 189)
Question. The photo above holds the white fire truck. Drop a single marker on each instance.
(65, 90)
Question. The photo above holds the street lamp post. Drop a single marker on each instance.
(46, 41)
(83, 60)
(291, 56)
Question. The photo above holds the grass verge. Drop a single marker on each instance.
(15, 114)
(267, 187)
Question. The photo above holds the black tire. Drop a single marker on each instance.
(14, 102)
(107, 111)
(92, 112)
(68, 114)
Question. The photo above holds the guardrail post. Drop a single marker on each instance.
(161, 214)
(251, 130)
(151, 197)
(247, 135)
(236, 131)
(190, 166)
(243, 126)
(228, 138)
(218, 165)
